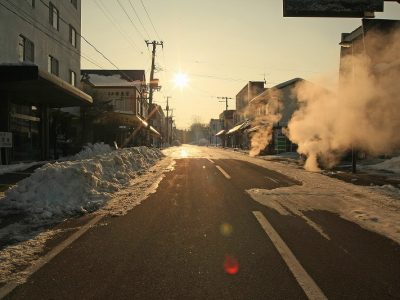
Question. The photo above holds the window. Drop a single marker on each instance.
(72, 36)
(75, 3)
(72, 78)
(53, 16)
(26, 49)
(52, 65)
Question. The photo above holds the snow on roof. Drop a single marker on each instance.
(111, 80)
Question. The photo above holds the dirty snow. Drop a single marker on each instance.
(63, 189)
(391, 165)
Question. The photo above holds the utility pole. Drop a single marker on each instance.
(167, 108)
(153, 57)
(225, 100)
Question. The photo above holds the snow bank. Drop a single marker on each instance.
(392, 165)
(63, 189)
(91, 150)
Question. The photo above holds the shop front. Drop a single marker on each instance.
(28, 95)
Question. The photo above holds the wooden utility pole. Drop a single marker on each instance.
(225, 100)
(155, 44)
(167, 109)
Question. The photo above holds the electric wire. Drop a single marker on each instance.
(130, 19)
(100, 5)
(137, 15)
(151, 22)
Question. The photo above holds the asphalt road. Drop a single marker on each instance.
(198, 237)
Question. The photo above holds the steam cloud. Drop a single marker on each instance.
(267, 112)
(364, 113)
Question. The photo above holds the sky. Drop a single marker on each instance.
(219, 44)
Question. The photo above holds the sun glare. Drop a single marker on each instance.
(181, 80)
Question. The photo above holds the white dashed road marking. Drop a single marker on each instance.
(308, 285)
(223, 172)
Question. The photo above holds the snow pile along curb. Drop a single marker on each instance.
(59, 190)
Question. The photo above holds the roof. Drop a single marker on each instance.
(114, 78)
(286, 83)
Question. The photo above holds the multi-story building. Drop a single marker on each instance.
(248, 92)
(120, 108)
(39, 71)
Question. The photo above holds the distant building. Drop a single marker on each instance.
(227, 122)
(120, 109)
(215, 127)
(39, 71)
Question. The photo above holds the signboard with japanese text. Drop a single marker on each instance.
(5, 140)
(332, 8)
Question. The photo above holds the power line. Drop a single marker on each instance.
(100, 5)
(130, 19)
(134, 10)
(151, 22)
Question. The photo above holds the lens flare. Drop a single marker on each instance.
(226, 229)
(231, 265)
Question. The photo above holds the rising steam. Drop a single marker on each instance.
(364, 113)
(267, 111)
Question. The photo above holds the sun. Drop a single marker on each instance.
(181, 80)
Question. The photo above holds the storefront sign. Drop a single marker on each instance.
(5, 140)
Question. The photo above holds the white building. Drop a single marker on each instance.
(39, 70)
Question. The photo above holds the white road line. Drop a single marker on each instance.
(223, 172)
(9, 287)
(211, 161)
(305, 281)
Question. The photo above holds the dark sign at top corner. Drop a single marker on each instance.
(331, 8)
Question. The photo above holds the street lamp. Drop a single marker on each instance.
(349, 44)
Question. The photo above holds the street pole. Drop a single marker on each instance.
(225, 100)
(153, 57)
(167, 109)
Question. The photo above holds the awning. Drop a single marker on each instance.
(238, 127)
(255, 128)
(27, 84)
(220, 132)
(153, 131)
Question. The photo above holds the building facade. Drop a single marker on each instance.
(39, 72)
(120, 111)
(215, 127)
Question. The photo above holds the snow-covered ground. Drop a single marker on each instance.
(390, 165)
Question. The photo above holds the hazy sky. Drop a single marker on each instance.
(219, 44)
